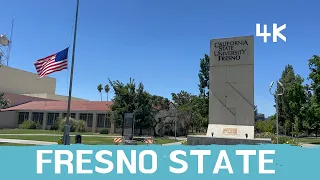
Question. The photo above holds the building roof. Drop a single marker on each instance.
(62, 106)
(17, 99)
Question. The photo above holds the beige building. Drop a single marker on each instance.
(47, 112)
(16, 81)
(94, 113)
(35, 99)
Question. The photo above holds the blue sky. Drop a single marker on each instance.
(158, 42)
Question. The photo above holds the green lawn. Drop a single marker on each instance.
(85, 140)
(38, 131)
(17, 134)
(310, 140)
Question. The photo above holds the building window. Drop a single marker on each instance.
(52, 117)
(103, 121)
(108, 122)
(88, 118)
(37, 117)
(23, 116)
(73, 115)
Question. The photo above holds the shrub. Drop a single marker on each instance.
(80, 126)
(282, 139)
(265, 126)
(55, 126)
(104, 131)
(185, 142)
(28, 124)
(75, 125)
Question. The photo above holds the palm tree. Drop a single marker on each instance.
(107, 89)
(100, 90)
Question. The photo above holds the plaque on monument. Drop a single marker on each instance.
(128, 125)
(230, 131)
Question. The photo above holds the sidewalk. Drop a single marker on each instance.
(172, 144)
(309, 145)
(19, 141)
(84, 135)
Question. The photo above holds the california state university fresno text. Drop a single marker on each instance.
(227, 52)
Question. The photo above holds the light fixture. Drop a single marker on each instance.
(4, 41)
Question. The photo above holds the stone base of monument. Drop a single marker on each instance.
(230, 131)
(227, 135)
(207, 140)
(130, 142)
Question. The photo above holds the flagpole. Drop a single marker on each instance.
(66, 134)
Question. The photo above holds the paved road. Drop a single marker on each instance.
(20, 141)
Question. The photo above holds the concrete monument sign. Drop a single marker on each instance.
(231, 100)
(128, 124)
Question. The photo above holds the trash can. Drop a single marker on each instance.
(78, 139)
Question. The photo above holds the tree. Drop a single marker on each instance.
(185, 104)
(3, 102)
(312, 114)
(99, 87)
(204, 76)
(143, 109)
(160, 112)
(291, 101)
(314, 67)
(124, 98)
(312, 111)
(145, 106)
(204, 81)
(255, 112)
(107, 89)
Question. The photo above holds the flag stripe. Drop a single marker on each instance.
(63, 64)
(52, 63)
(54, 69)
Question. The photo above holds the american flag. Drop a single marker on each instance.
(52, 63)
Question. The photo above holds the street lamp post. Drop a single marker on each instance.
(277, 98)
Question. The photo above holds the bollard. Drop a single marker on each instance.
(78, 139)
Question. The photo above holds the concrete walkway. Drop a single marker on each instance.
(177, 138)
(172, 144)
(20, 141)
(309, 145)
(84, 135)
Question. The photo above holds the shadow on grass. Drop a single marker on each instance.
(315, 143)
